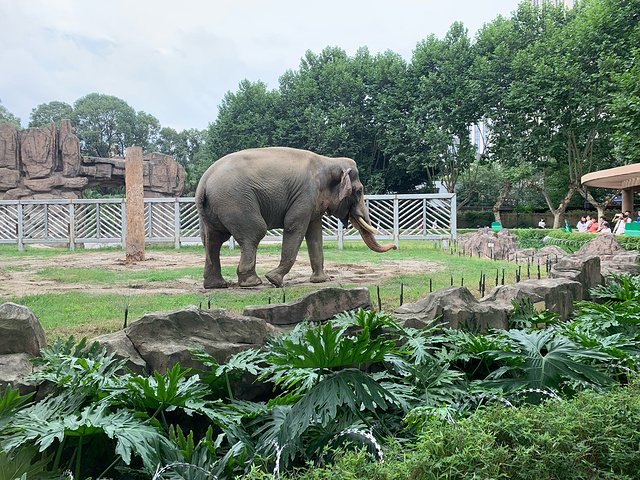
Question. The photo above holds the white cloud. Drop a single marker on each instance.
(176, 60)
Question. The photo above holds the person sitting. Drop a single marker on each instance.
(582, 224)
(592, 224)
(541, 223)
(604, 228)
(602, 221)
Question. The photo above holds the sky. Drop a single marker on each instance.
(176, 59)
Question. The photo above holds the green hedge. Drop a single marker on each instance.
(591, 436)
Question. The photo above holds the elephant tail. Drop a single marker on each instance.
(201, 197)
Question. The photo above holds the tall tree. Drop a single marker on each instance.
(47, 113)
(445, 106)
(245, 120)
(104, 124)
(187, 148)
(146, 130)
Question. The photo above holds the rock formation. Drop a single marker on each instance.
(316, 306)
(43, 163)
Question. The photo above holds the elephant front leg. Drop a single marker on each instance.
(316, 256)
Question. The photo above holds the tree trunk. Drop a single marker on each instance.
(503, 196)
(562, 207)
(600, 206)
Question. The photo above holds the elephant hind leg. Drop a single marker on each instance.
(213, 240)
(249, 240)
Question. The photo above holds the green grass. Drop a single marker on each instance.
(91, 314)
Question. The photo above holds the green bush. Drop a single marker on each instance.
(530, 237)
(591, 436)
(573, 241)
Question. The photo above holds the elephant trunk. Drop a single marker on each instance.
(367, 232)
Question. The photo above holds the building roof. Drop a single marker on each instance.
(618, 178)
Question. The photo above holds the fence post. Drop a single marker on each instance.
(176, 230)
(396, 220)
(20, 228)
(72, 226)
(123, 229)
(340, 234)
(134, 185)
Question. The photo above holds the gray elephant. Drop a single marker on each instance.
(246, 193)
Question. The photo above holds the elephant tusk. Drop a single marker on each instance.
(363, 225)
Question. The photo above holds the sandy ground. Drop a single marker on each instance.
(18, 275)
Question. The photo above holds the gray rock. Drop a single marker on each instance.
(20, 330)
(488, 243)
(622, 262)
(550, 253)
(557, 294)
(13, 368)
(165, 338)
(602, 244)
(121, 345)
(457, 308)
(316, 306)
(579, 268)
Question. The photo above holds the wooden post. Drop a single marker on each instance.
(135, 204)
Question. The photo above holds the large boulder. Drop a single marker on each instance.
(622, 262)
(580, 268)
(20, 330)
(602, 244)
(457, 308)
(549, 253)
(554, 294)
(165, 338)
(120, 344)
(316, 306)
(21, 338)
(488, 243)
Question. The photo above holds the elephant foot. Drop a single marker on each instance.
(217, 283)
(319, 277)
(276, 278)
(249, 280)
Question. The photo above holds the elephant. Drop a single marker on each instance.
(246, 193)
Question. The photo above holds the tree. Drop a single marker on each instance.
(104, 124)
(338, 105)
(187, 148)
(245, 120)
(47, 113)
(7, 117)
(146, 131)
(445, 107)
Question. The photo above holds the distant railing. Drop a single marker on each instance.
(175, 220)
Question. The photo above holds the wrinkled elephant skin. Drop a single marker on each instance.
(246, 193)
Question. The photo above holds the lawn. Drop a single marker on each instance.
(92, 299)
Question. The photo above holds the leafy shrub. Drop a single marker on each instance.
(530, 237)
(619, 286)
(591, 436)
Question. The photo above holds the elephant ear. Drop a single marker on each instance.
(345, 185)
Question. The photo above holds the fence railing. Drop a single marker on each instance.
(175, 220)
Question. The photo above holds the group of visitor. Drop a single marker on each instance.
(588, 224)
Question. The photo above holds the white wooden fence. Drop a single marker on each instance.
(175, 220)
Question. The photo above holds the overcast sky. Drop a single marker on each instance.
(175, 59)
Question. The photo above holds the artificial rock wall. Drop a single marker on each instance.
(43, 163)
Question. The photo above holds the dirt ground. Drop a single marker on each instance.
(18, 274)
